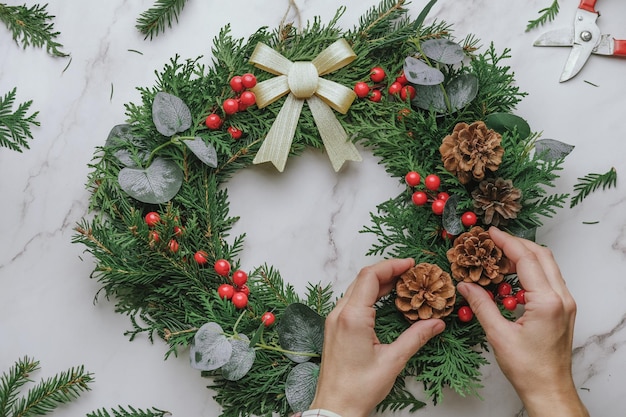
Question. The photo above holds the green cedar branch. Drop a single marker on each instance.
(31, 26)
(15, 125)
(546, 14)
(130, 412)
(160, 16)
(591, 182)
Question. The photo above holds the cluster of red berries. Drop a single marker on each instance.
(503, 294)
(242, 100)
(152, 219)
(374, 93)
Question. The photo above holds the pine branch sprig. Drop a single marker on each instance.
(130, 412)
(13, 380)
(31, 27)
(160, 16)
(546, 14)
(590, 183)
(15, 125)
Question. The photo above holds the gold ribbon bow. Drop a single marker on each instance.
(302, 81)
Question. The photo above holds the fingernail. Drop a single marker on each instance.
(462, 288)
(439, 327)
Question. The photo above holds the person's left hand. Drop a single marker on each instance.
(357, 371)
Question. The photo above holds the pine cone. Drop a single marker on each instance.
(470, 150)
(474, 257)
(497, 201)
(425, 291)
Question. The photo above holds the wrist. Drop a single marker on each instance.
(319, 412)
(556, 403)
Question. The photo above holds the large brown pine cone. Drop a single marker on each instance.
(474, 257)
(470, 150)
(497, 201)
(425, 291)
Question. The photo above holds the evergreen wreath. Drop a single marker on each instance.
(160, 225)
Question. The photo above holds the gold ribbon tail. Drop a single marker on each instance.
(333, 135)
(277, 143)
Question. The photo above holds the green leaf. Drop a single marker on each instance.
(529, 234)
(204, 151)
(507, 122)
(300, 385)
(418, 72)
(462, 90)
(170, 114)
(241, 359)
(551, 150)
(121, 135)
(450, 218)
(210, 349)
(156, 184)
(430, 97)
(301, 330)
(443, 50)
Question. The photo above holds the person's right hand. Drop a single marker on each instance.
(535, 351)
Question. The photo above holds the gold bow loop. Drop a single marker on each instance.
(301, 81)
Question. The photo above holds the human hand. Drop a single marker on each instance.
(535, 351)
(357, 371)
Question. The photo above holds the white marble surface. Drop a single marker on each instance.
(46, 296)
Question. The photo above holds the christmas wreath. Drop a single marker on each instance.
(438, 114)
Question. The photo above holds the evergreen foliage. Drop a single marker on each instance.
(31, 26)
(547, 14)
(130, 412)
(15, 125)
(590, 183)
(154, 21)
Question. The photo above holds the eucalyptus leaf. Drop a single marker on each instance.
(121, 136)
(301, 330)
(156, 184)
(443, 50)
(507, 122)
(418, 72)
(170, 114)
(204, 151)
(529, 234)
(430, 97)
(300, 385)
(209, 349)
(462, 90)
(551, 149)
(241, 359)
(450, 218)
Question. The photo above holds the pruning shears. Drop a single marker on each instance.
(584, 38)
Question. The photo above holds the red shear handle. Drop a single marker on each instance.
(619, 47)
(588, 5)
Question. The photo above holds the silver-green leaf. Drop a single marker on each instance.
(156, 184)
(300, 385)
(451, 220)
(551, 150)
(204, 151)
(462, 90)
(241, 359)
(170, 114)
(132, 152)
(210, 349)
(418, 72)
(430, 97)
(443, 50)
(301, 330)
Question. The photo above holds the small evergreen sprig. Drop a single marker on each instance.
(31, 27)
(546, 14)
(15, 125)
(590, 183)
(154, 21)
(131, 412)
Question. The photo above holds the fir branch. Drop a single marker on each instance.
(546, 14)
(13, 380)
(15, 126)
(590, 183)
(31, 27)
(131, 412)
(154, 21)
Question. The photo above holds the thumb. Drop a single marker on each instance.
(482, 305)
(413, 338)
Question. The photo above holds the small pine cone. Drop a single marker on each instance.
(471, 150)
(497, 201)
(425, 291)
(474, 257)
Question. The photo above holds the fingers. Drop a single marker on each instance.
(374, 281)
(482, 305)
(413, 338)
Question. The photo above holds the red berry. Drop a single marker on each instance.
(361, 89)
(268, 318)
(152, 218)
(419, 198)
(510, 303)
(438, 206)
(173, 246)
(432, 182)
(468, 219)
(248, 80)
(244, 289)
(240, 299)
(213, 121)
(178, 231)
(230, 106)
(226, 291)
(443, 196)
(465, 314)
(222, 267)
(234, 132)
(376, 96)
(240, 278)
(504, 289)
(446, 235)
(395, 88)
(154, 236)
(401, 79)
(377, 74)
(520, 297)
(412, 178)
(247, 99)
(236, 83)
(408, 91)
(201, 257)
